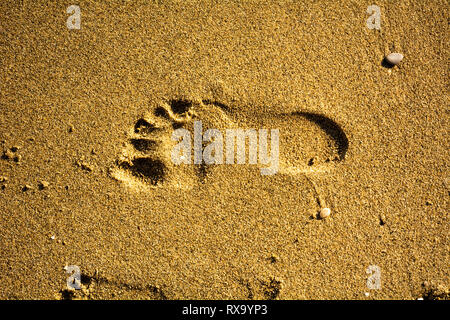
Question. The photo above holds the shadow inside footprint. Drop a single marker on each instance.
(143, 127)
(143, 145)
(175, 109)
(180, 106)
(147, 169)
(331, 128)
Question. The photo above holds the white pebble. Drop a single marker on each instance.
(325, 212)
(394, 58)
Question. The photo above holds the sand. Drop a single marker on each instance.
(87, 180)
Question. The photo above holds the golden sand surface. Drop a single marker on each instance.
(86, 118)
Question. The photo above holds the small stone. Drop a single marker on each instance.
(324, 213)
(3, 179)
(17, 158)
(71, 128)
(382, 219)
(43, 184)
(394, 58)
(428, 203)
(366, 294)
(53, 237)
(15, 148)
(27, 187)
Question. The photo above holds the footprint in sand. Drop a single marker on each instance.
(309, 143)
